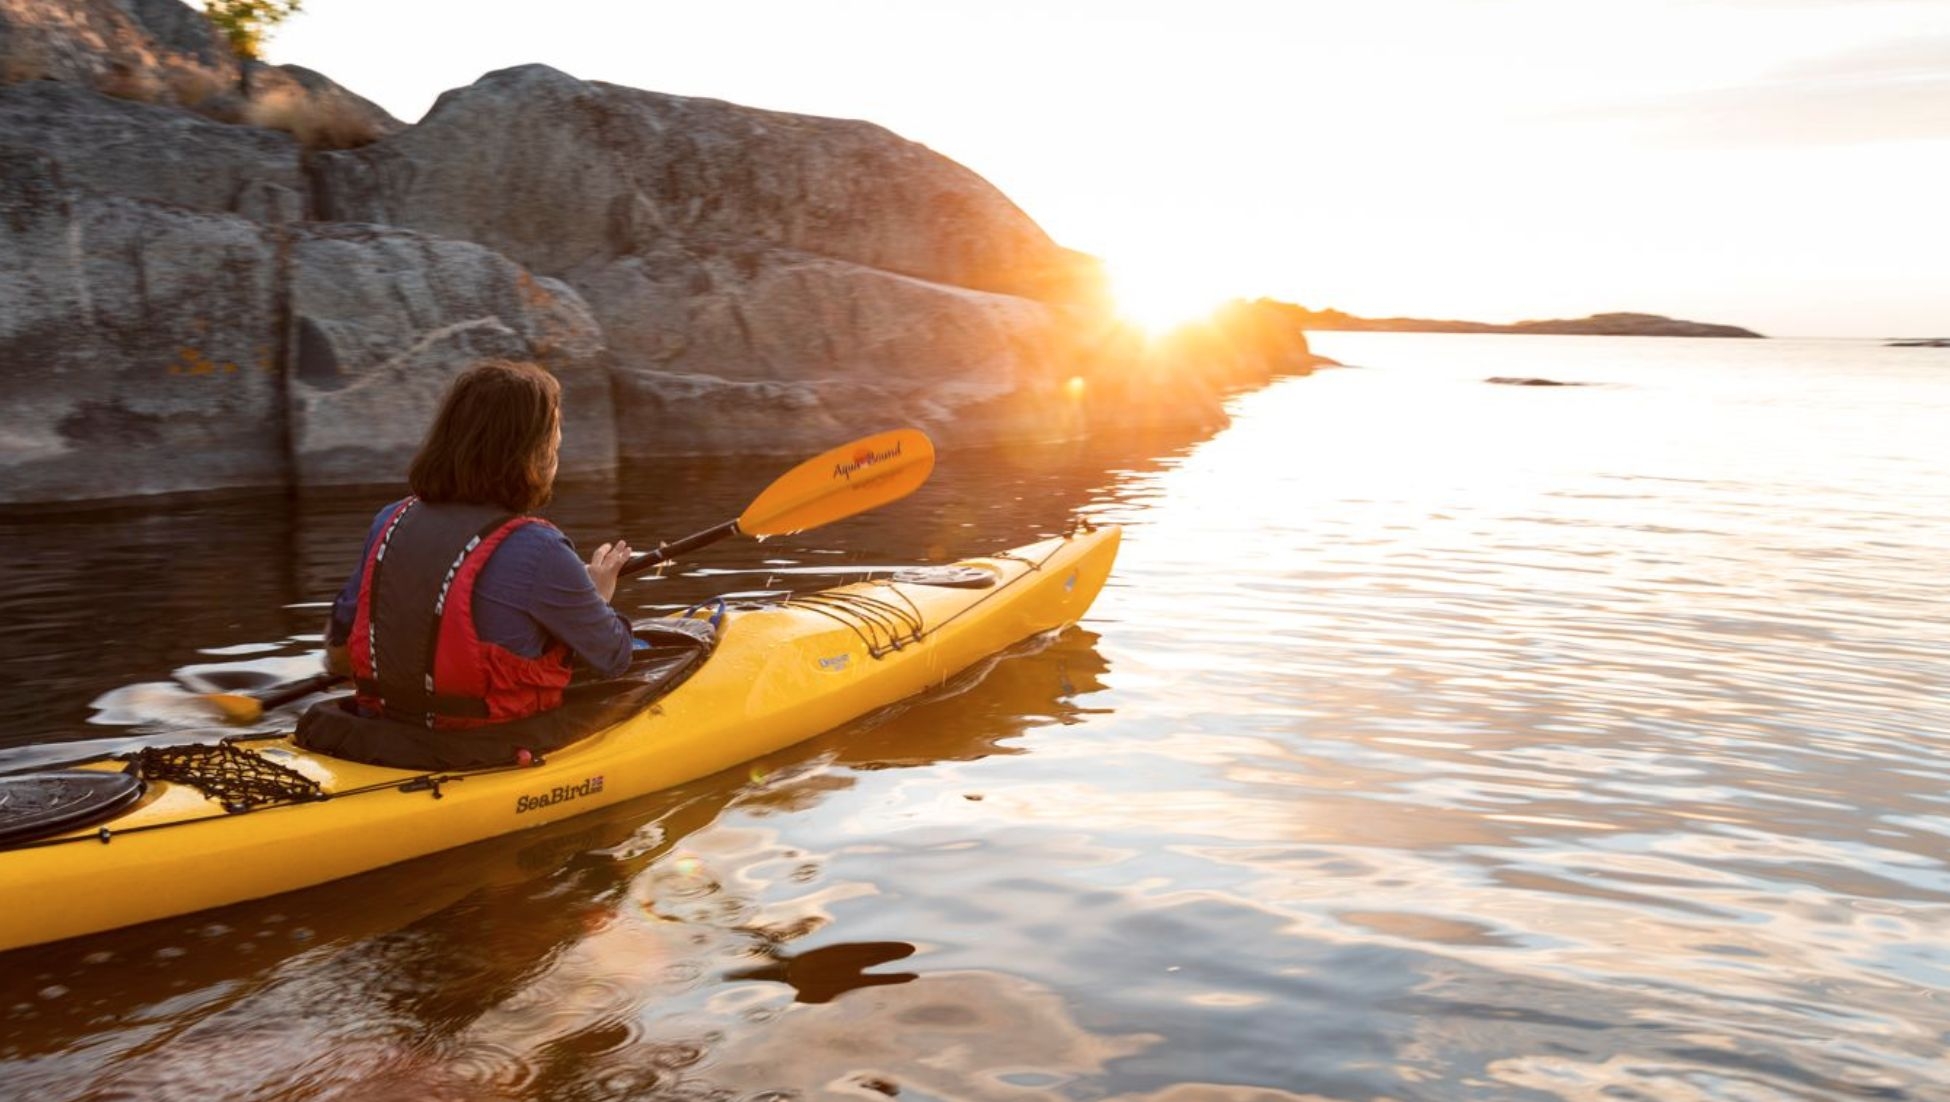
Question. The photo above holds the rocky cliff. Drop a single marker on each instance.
(219, 274)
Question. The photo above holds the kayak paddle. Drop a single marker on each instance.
(834, 485)
(852, 478)
(249, 707)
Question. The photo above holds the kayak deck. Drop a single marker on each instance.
(781, 674)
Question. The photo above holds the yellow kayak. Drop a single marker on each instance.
(781, 673)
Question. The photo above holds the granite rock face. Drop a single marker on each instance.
(157, 153)
(312, 107)
(156, 51)
(164, 52)
(560, 173)
(137, 344)
(147, 348)
(786, 352)
(765, 281)
(383, 318)
(217, 273)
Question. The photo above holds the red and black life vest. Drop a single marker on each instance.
(416, 657)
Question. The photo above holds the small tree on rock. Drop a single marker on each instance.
(247, 22)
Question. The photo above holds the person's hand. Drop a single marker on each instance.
(605, 563)
(338, 660)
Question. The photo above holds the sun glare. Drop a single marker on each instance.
(1159, 297)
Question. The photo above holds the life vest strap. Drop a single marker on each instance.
(414, 708)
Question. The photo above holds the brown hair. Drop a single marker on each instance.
(490, 443)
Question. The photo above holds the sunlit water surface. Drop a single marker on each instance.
(1434, 740)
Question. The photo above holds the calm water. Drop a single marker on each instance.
(1435, 740)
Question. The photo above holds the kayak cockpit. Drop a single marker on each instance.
(669, 651)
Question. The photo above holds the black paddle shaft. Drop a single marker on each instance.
(640, 563)
(298, 690)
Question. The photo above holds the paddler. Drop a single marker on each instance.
(465, 608)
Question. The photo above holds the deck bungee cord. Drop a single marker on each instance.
(871, 617)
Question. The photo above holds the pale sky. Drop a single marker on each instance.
(1778, 164)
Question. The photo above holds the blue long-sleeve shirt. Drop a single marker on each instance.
(534, 588)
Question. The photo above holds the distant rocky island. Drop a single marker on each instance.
(1597, 325)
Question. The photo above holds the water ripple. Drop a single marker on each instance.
(1433, 740)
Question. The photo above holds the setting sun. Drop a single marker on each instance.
(1159, 297)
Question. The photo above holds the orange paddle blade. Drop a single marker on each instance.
(237, 707)
(852, 478)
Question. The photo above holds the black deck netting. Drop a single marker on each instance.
(238, 779)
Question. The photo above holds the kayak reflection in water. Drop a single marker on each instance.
(465, 610)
